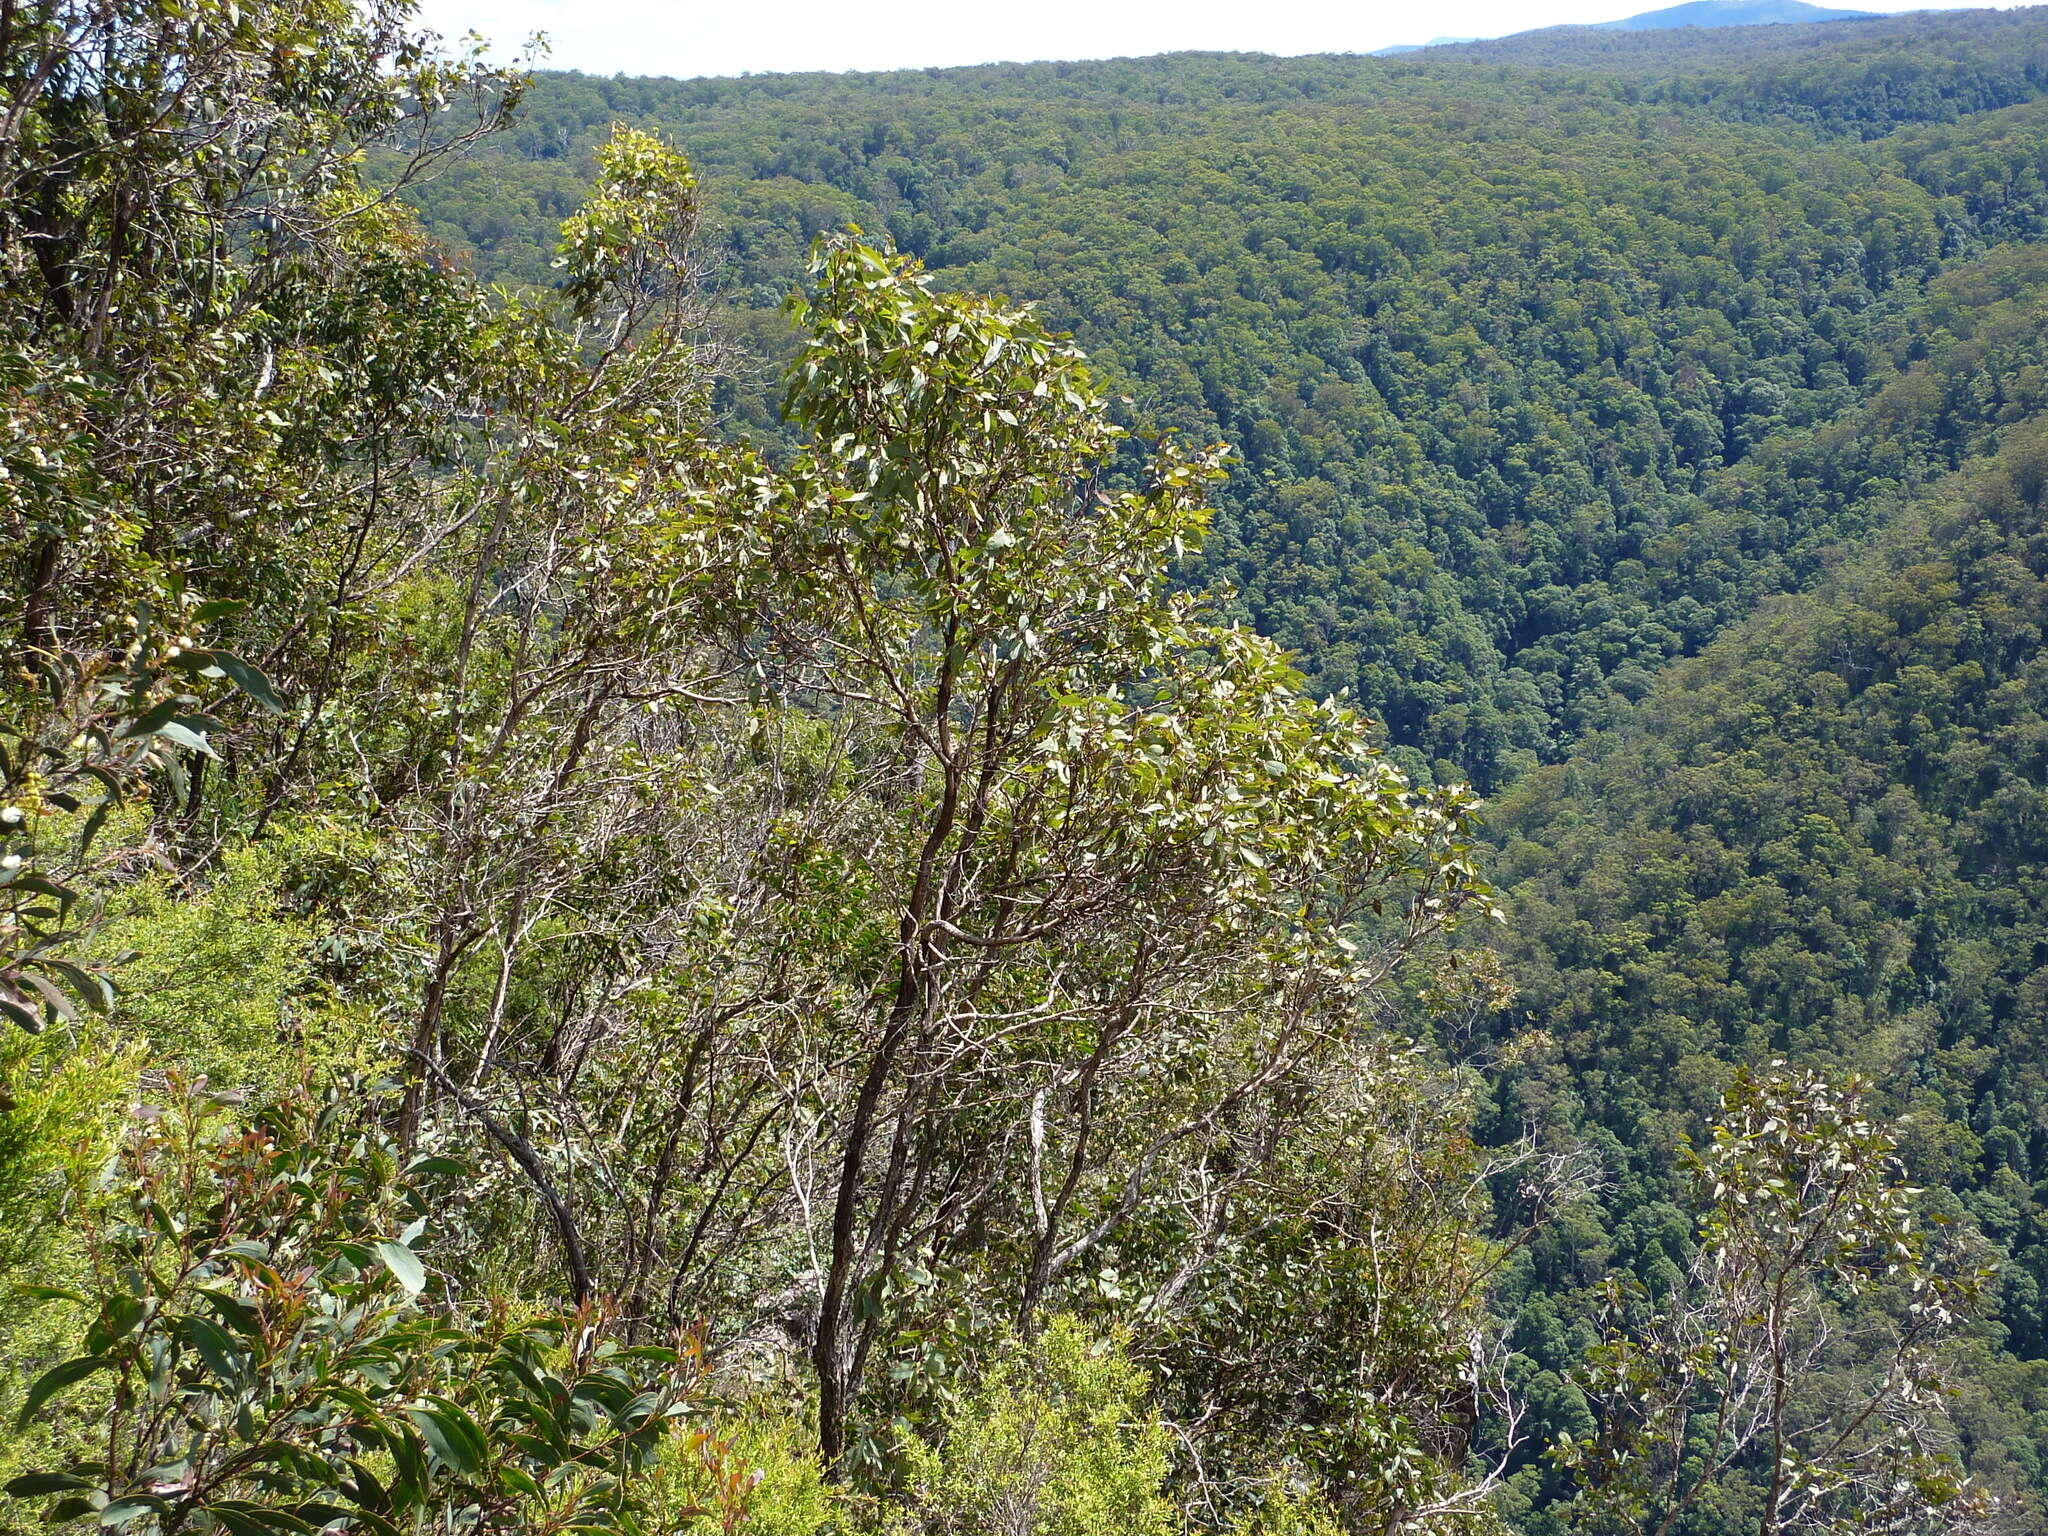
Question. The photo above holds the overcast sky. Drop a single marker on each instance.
(730, 37)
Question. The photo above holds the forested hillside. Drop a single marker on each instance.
(1279, 797)
(1486, 337)
(1821, 840)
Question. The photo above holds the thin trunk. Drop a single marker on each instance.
(38, 614)
(913, 980)
(521, 1151)
(1774, 1498)
(426, 1035)
(828, 1353)
(1039, 1275)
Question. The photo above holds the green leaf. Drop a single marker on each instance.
(48, 1293)
(32, 1485)
(638, 1410)
(249, 680)
(235, 1312)
(128, 1510)
(183, 736)
(26, 879)
(94, 822)
(121, 1316)
(243, 1518)
(151, 720)
(452, 1435)
(55, 1380)
(409, 1467)
(362, 1487)
(446, 1166)
(318, 1514)
(235, 1522)
(517, 1482)
(59, 1004)
(214, 1346)
(94, 990)
(297, 1460)
(24, 1018)
(404, 1265)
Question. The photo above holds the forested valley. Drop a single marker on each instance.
(1298, 797)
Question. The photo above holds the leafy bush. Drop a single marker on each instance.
(223, 974)
(1056, 1441)
(269, 1354)
(759, 1471)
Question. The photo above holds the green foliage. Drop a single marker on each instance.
(128, 725)
(699, 834)
(227, 980)
(856, 888)
(1489, 331)
(1119, 823)
(1053, 1441)
(1332, 1354)
(1823, 822)
(61, 1096)
(165, 454)
(785, 1491)
(1779, 1361)
(265, 1353)
(642, 212)
(64, 1098)
(1283, 1513)
(1862, 83)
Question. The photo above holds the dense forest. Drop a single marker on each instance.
(1299, 797)
(1487, 344)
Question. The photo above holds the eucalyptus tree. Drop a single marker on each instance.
(983, 909)
(1132, 883)
(1796, 1380)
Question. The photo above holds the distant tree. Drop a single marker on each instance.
(1802, 1353)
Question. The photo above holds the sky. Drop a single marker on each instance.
(731, 37)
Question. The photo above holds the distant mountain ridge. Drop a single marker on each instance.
(1733, 13)
(1434, 42)
(1695, 13)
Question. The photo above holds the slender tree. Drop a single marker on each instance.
(1803, 1353)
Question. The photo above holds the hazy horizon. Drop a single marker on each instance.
(687, 38)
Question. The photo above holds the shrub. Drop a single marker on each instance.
(1054, 1442)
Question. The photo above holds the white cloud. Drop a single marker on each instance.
(729, 37)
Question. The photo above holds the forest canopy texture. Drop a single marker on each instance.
(1278, 796)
